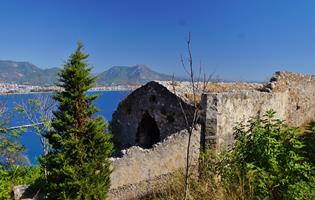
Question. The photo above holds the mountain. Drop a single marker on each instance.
(122, 75)
(26, 73)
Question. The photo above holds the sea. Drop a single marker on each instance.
(106, 103)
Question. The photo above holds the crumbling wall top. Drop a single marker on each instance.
(283, 80)
(184, 89)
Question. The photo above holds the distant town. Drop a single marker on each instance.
(7, 88)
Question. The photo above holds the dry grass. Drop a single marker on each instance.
(221, 87)
(207, 186)
(199, 189)
(237, 86)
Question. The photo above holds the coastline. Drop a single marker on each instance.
(22, 89)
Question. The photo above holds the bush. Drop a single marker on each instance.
(17, 175)
(269, 157)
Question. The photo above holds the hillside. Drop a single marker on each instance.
(122, 75)
(26, 73)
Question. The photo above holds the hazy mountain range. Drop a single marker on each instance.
(27, 73)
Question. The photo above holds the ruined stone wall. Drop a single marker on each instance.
(301, 95)
(154, 99)
(140, 171)
(184, 89)
(291, 95)
(223, 110)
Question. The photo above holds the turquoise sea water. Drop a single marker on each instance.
(107, 103)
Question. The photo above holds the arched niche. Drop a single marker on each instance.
(148, 132)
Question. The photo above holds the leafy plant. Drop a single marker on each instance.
(268, 154)
(17, 175)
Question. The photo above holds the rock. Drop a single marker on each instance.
(25, 192)
(18, 191)
(22, 192)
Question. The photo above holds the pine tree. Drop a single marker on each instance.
(78, 164)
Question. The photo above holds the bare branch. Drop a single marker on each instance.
(179, 101)
(184, 65)
(24, 126)
(38, 112)
(191, 119)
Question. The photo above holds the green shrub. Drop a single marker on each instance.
(269, 157)
(17, 175)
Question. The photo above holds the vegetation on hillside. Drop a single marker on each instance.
(18, 175)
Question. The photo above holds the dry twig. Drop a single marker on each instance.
(196, 89)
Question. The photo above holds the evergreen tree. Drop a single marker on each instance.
(78, 164)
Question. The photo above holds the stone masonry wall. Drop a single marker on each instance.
(301, 95)
(224, 110)
(291, 95)
(159, 103)
(140, 171)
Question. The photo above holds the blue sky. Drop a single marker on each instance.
(238, 39)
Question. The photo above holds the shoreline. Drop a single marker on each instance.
(97, 89)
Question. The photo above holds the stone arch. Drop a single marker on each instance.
(148, 132)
